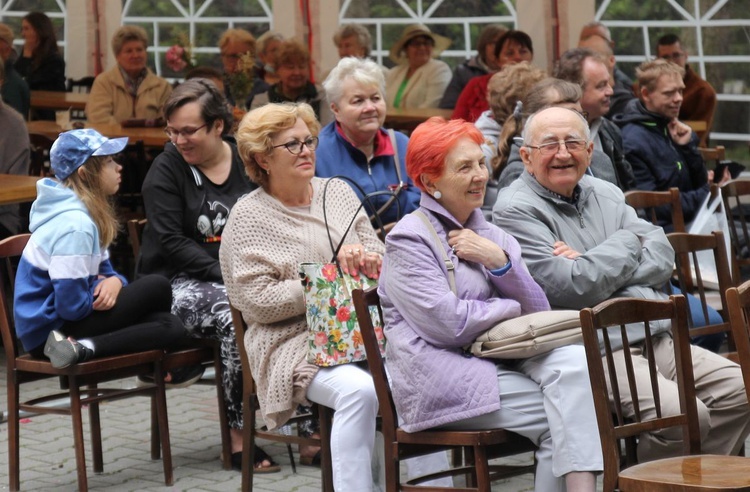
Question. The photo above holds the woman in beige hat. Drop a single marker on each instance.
(419, 80)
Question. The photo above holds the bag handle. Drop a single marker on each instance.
(448, 262)
(401, 185)
(366, 197)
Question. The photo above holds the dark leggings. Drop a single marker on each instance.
(141, 319)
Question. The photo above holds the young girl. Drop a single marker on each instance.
(67, 293)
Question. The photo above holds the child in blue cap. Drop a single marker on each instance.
(70, 304)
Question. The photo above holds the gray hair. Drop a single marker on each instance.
(364, 71)
(354, 30)
(260, 43)
(128, 33)
(530, 120)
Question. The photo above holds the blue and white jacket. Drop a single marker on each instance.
(60, 266)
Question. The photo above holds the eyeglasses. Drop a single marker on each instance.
(551, 148)
(677, 55)
(185, 132)
(295, 146)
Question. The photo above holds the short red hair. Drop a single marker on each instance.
(431, 142)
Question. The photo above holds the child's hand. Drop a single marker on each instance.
(106, 292)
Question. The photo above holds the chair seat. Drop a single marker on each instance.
(688, 473)
(461, 438)
(94, 366)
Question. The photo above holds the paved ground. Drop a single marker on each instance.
(48, 462)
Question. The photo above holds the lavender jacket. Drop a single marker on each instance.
(427, 325)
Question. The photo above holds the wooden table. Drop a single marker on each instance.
(58, 100)
(17, 189)
(151, 137)
(408, 118)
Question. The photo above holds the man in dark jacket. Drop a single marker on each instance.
(589, 70)
(662, 150)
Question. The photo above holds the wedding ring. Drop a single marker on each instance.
(350, 251)
(453, 248)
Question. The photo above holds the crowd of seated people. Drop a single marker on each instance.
(231, 186)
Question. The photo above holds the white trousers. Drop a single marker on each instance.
(350, 391)
(548, 399)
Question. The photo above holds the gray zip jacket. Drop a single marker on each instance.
(621, 255)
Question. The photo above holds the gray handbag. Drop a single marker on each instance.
(521, 337)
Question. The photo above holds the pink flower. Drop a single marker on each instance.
(321, 339)
(343, 314)
(329, 272)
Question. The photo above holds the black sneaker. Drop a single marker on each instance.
(64, 351)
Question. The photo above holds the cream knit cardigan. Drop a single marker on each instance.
(262, 246)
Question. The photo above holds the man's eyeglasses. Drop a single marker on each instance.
(185, 132)
(677, 55)
(551, 148)
(295, 146)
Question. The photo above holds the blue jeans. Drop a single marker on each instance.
(709, 342)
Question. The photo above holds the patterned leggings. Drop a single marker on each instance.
(204, 308)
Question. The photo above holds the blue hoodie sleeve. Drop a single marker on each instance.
(106, 270)
(72, 270)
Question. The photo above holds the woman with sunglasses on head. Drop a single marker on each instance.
(188, 194)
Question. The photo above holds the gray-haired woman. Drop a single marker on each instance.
(357, 146)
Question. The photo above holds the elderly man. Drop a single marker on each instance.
(662, 150)
(15, 91)
(699, 98)
(584, 245)
(589, 70)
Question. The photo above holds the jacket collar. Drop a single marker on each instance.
(383, 146)
(475, 222)
(584, 190)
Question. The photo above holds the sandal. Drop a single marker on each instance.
(260, 457)
(310, 460)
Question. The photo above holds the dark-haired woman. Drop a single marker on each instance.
(41, 65)
(188, 193)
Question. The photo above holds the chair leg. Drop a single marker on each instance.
(291, 458)
(326, 466)
(248, 442)
(160, 396)
(482, 467)
(155, 431)
(14, 468)
(96, 436)
(226, 439)
(75, 413)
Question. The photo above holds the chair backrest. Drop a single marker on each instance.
(715, 154)
(10, 250)
(135, 233)
(738, 303)
(40, 147)
(651, 201)
(82, 85)
(363, 300)
(733, 195)
(240, 327)
(612, 316)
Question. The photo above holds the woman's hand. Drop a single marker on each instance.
(106, 292)
(354, 258)
(469, 246)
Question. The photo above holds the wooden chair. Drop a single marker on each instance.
(193, 352)
(479, 446)
(738, 303)
(693, 472)
(735, 195)
(715, 154)
(81, 382)
(40, 147)
(250, 432)
(711, 291)
(650, 201)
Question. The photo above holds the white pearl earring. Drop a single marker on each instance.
(437, 195)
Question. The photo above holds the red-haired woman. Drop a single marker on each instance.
(546, 398)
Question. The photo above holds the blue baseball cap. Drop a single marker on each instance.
(72, 149)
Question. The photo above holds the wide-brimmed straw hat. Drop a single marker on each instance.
(413, 31)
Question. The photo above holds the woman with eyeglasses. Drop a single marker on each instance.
(188, 193)
(271, 231)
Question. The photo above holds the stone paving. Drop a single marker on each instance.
(48, 460)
